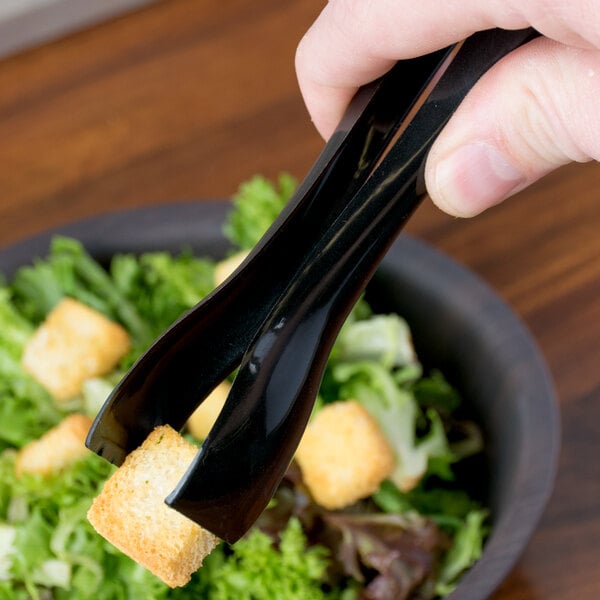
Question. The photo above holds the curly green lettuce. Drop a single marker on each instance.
(48, 550)
(255, 206)
(255, 568)
(47, 547)
(26, 409)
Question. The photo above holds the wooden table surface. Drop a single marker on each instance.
(185, 99)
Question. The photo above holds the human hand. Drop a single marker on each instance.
(534, 111)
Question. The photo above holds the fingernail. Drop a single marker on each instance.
(475, 177)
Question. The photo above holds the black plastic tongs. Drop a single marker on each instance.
(279, 314)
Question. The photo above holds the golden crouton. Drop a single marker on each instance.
(226, 267)
(56, 449)
(343, 455)
(75, 342)
(130, 512)
(204, 417)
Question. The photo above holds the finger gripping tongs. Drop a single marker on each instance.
(277, 317)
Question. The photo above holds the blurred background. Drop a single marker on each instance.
(150, 106)
(25, 23)
(105, 105)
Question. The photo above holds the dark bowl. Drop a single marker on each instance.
(459, 325)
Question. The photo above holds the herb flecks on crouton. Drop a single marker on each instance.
(74, 343)
(57, 449)
(131, 513)
(343, 455)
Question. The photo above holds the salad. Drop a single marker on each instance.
(412, 538)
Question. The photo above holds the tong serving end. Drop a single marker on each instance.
(113, 435)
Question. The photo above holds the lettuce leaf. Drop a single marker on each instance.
(162, 286)
(26, 409)
(255, 568)
(385, 339)
(442, 504)
(398, 415)
(145, 294)
(69, 270)
(456, 513)
(54, 551)
(467, 546)
(401, 550)
(255, 206)
(48, 550)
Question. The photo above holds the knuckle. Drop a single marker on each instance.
(539, 105)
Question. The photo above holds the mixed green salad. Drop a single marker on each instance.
(413, 538)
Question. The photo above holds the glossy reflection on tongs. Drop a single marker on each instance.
(277, 317)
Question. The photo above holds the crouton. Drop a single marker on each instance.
(131, 513)
(343, 455)
(204, 417)
(75, 342)
(226, 267)
(58, 448)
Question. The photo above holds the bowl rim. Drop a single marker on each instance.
(187, 223)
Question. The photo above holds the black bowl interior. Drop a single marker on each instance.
(459, 325)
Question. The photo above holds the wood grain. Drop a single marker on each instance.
(185, 99)
(28, 23)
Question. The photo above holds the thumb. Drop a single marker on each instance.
(534, 111)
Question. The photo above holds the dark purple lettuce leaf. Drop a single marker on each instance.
(394, 556)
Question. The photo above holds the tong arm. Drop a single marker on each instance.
(247, 452)
(201, 349)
